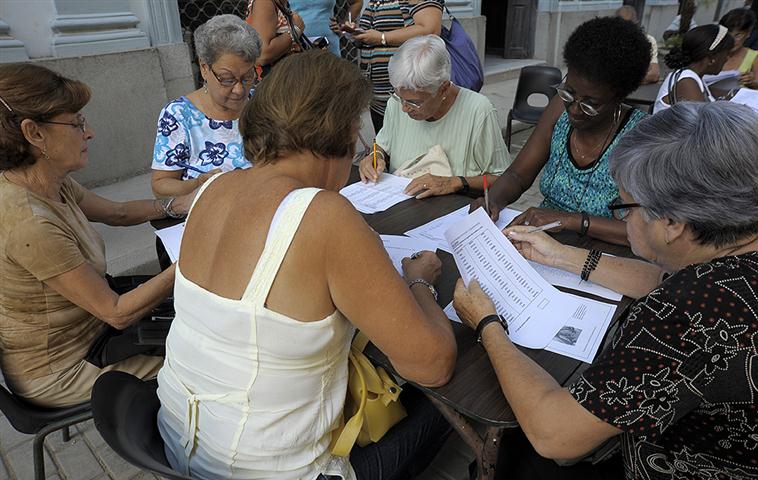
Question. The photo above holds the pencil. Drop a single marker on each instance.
(557, 223)
(486, 195)
(374, 155)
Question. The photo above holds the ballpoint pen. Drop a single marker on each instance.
(542, 228)
(486, 195)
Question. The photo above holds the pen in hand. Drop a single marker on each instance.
(542, 228)
(486, 195)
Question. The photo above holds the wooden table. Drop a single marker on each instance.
(473, 393)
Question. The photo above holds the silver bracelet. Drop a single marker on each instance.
(427, 284)
(165, 204)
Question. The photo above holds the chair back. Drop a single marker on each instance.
(534, 79)
(28, 418)
(125, 410)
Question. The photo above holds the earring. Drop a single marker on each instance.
(44, 154)
(205, 87)
(617, 115)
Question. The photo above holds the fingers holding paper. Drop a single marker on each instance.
(429, 185)
(493, 208)
(367, 170)
(536, 246)
(471, 303)
(425, 265)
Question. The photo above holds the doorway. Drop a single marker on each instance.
(511, 26)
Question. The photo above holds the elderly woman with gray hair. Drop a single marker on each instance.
(427, 110)
(197, 133)
(678, 382)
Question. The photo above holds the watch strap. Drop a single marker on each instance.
(466, 186)
(486, 321)
(585, 226)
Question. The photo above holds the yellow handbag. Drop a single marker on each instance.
(372, 405)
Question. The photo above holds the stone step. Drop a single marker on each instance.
(497, 69)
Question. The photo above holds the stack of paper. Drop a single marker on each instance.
(435, 230)
(726, 74)
(748, 97)
(372, 197)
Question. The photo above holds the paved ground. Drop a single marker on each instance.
(86, 456)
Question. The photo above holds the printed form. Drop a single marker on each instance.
(534, 309)
(376, 197)
(399, 247)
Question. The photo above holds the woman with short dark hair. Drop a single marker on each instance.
(704, 50)
(256, 360)
(607, 58)
(677, 382)
(741, 23)
(61, 323)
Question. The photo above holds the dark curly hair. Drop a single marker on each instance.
(738, 19)
(609, 51)
(696, 46)
(34, 92)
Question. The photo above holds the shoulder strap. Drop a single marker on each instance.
(202, 189)
(277, 245)
(673, 80)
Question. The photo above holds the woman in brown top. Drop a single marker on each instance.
(60, 321)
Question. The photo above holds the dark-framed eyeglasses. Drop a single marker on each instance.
(411, 103)
(229, 82)
(621, 210)
(81, 123)
(569, 98)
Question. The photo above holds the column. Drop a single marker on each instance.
(11, 49)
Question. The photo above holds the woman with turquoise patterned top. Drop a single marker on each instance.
(197, 133)
(607, 58)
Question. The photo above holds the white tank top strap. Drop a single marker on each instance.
(202, 189)
(277, 244)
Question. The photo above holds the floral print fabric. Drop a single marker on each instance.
(186, 136)
(680, 377)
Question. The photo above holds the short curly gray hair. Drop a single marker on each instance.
(420, 64)
(226, 34)
(695, 163)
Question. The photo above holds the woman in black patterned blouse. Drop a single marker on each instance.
(679, 381)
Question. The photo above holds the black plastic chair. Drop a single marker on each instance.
(534, 79)
(40, 422)
(125, 409)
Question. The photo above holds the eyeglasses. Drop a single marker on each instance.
(569, 98)
(227, 82)
(412, 104)
(81, 123)
(621, 210)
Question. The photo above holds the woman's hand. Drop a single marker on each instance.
(369, 37)
(493, 208)
(537, 246)
(536, 217)
(472, 304)
(746, 79)
(426, 266)
(429, 185)
(181, 205)
(366, 168)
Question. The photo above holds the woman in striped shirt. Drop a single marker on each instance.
(387, 24)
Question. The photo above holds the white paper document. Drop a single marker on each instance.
(399, 247)
(435, 230)
(726, 74)
(451, 313)
(748, 97)
(581, 335)
(562, 278)
(372, 197)
(172, 239)
(534, 309)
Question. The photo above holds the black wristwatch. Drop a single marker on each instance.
(486, 321)
(465, 187)
(585, 226)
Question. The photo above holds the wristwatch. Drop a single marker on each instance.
(585, 225)
(465, 187)
(384, 40)
(486, 321)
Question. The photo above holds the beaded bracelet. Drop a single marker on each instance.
(591, 263)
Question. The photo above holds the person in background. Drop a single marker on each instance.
(577, 133)
(386, 24)
(267, 305)
(677, 381)
(317, 15)
(686, 10)
(277, 41)
(197, 134)
(62, 323)
(653, 75)
(704, 51)
(741, 23)
(426, 110)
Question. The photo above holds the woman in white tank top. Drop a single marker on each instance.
(276, 271)
(704, 50)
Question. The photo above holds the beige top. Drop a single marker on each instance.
(41, 331)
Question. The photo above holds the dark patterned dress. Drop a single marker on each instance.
(681, 376)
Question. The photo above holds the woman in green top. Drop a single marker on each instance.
(740, 23)
(607, 58)
(428, 110)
